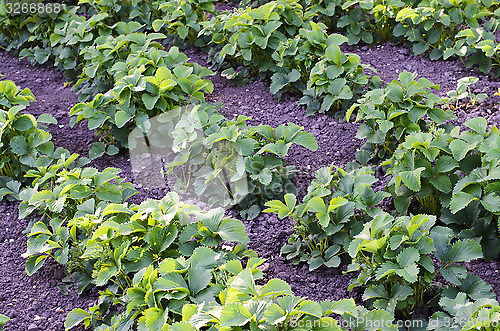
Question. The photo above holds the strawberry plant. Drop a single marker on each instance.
(160, 250)
(180, 282)
(141, 11)
(369, 21)
(181, 19)
(144, 85)
(294, 72)
(446, 173)
(420, 166)
(481, 180)
(58, 189)
(144, 243)
(479, 46)
(296, 55)
(463, 92)
(465, 315)
(264, 150)
(106, 50)
(69, 38)
(389, 114)
(393, 255)
(327, 12)
(313, 64)
(60, 192)
(40, 26)
(249, 37)
(221, 161)
(11, 96)
(474, 222)
(11, 37)
(248, 306)
(332, 213)
(335, 81)
(433, 25)
(27, 30)
(23, 139)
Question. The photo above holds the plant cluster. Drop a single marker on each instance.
(331, 214)
(72, 34)
(141, 11)
(474, 315)
(24, 141)
(444, 29)
(433, 25)
(182, 19)
(397, 272)
(276, 41)
(447, 172)
(224, 161)
(59, 193)
(272, 306)
(19, 30)
(463, 92)
(54, 38)
(389, 114)
(333, 79)
(369, 21)
(98, 57)
(148, 82)
(250, 36)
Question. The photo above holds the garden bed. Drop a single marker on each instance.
(36, 303)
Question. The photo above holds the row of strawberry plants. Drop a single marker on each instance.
(60, 36)
(278, 42)
(444, 29)
(452, 174)
(179, 19)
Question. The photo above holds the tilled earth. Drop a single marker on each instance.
(37, 303)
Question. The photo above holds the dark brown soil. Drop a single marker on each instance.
(35, 303)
